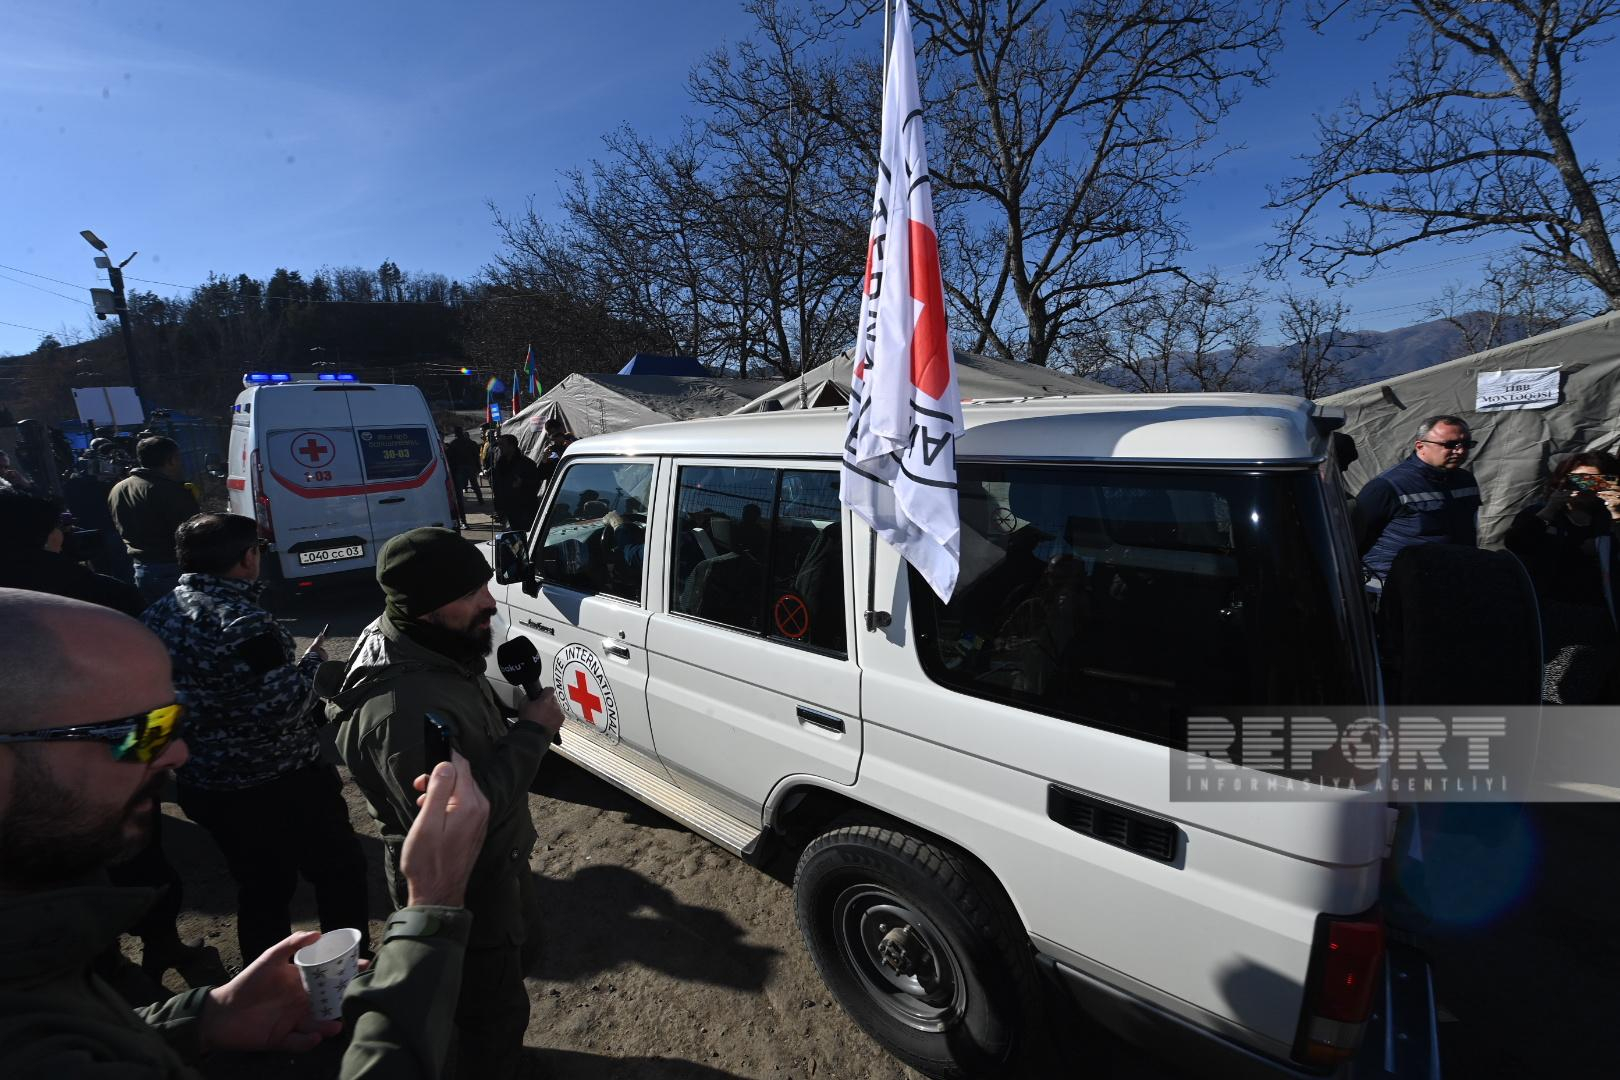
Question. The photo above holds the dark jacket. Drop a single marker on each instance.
(251, 712)
(1562, 557)
(390, 685)
(1414, 503)
(515, 485)
(147, 507)
(462, 453)
(60, 1021)
(49, 572)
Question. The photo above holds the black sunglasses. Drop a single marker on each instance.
(1452, 444)
(140, 738)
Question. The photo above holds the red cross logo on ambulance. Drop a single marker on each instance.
(313, 450)
(582, 686)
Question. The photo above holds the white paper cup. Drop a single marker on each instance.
(327, 967)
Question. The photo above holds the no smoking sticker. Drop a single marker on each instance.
(583, 689)
(791, 616)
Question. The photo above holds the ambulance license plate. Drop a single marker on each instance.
(331, 554)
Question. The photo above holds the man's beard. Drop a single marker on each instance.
(49, 836)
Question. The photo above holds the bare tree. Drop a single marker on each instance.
(1316, 346)
(1516, 298)
(794, 194)
(1472, 133)
(1182, 334)
(1063, 136)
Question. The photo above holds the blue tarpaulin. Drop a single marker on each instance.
(648, 364)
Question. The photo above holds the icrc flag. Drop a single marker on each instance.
(905, 411)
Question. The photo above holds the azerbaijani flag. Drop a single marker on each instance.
(531, 374)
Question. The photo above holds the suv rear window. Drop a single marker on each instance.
(1132, 599)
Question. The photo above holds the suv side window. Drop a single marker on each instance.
(595, 533)
(1132, 599)
(760, 550)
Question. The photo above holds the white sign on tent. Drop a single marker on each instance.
(1523, 388)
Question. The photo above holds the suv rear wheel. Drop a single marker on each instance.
(925, 957)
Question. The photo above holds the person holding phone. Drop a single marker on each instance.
(1570, 544)
(86, 745)
(256, 780)
(415, 685)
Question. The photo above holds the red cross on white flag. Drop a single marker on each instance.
(905, 411)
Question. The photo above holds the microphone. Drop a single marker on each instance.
(521, 665)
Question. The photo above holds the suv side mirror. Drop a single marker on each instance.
(512, 565)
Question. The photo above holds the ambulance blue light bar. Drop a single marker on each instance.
(340, 376)
(259, 378)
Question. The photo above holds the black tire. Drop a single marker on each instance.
(921, 949)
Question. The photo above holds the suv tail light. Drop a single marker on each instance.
(1345, 959)
(261, 499)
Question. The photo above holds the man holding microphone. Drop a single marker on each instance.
(419, 668)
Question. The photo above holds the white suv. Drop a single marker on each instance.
(981, 789)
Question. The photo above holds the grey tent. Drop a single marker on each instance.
(1516, 448)
(595, 403)
(977, 376)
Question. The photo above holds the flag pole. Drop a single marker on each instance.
(874, 619)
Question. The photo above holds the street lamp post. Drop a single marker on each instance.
(115, 278)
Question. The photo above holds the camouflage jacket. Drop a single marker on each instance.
(249, 716)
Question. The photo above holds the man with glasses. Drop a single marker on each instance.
(90, 729)
(255, 781)
(1427, 499)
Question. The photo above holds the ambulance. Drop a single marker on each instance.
(331, 467)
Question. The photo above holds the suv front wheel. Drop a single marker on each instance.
(928, 960)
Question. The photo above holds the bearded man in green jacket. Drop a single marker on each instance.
(87, 739)
(426, 654)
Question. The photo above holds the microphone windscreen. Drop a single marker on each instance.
(519, 661)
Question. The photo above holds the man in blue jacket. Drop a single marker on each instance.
(1427, 499)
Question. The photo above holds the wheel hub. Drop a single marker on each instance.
(901, 957)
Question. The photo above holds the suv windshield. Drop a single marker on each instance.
(1132, 599)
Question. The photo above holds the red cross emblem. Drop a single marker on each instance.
(580, 694)
(314, 449)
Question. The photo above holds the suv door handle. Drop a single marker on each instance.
(391, 499)
(616, 648)
(816, 717)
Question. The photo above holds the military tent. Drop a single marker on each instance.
(1571, 408)
(595, 403)
(978, 376)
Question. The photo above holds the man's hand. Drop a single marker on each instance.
(1611, 503)
(265, 1007)
(543, 711)
(446, 836)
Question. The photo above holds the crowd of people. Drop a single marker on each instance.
(515, 478)
(199, 681)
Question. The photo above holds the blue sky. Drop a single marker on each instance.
(239, 138)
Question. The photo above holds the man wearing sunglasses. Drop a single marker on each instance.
(256, 780)
(86, 739)
(1427, 499)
